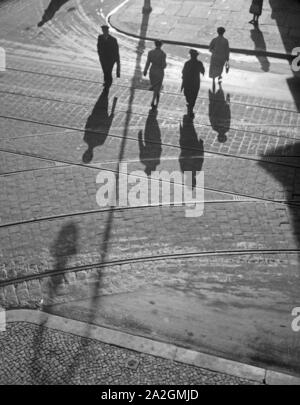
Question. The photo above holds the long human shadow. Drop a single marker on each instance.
(191, 149)
(64, 247)
(219, 113)
(98, 125)
(260, 45)
(150, 145)
(279, 8)
(104, 247)
(50, 11)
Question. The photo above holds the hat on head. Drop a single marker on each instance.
(193, 52)
(105, 27)
(221, 30)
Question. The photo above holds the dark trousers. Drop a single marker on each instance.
(107, 72)
(191, 97)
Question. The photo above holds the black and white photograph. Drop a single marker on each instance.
(149, 195)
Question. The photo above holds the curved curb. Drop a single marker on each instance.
(151, 347)
(248, 52)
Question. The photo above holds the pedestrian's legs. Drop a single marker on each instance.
(190, 96)
(107, 73)
(192, 104)
(108, 77)
(155, 98)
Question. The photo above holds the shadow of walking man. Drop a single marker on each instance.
(53, 7)
(260, 45)
(150, 147)
(65, 246)
(219, 113)
(191, 149)
(98, 125)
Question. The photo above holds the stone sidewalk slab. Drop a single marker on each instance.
(199, 367)
(196, 21)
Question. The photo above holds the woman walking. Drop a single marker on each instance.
(256, 10)
(219, 47)
(157, 60)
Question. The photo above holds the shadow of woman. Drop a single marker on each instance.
(53, 7)
(150, 147)
(191, 149)
(65, 246)
(98, 125)
(260, 45)
(219, 113)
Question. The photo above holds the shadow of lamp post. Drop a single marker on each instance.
(147, 7)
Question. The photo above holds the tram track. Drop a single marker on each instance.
(145, 259)
(112, 135)
(168, 118)
(237, 198)
(268, 107)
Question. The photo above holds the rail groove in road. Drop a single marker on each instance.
(141, 89)
(168, 118)
(230, 155)
(58, 272)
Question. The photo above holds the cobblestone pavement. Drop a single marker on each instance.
(195, 21)
(149, 265)
(34, 356)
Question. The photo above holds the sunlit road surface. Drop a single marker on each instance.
(224, 283)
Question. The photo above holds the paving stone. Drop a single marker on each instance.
(33, 355)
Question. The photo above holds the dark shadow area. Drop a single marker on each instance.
(219, 113)
(98, 125)
(50, 11)
(291, 186)
(260, 45)
(150, 144)
(64, 247)
(280, 13)
(191, 149)
(294, 86)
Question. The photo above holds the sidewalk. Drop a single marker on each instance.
(196, 21)
(39, 348)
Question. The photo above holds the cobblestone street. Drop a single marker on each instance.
(224, 283)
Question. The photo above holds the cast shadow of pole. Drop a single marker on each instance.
(105, 243)
(150, 146)
(64, 247)
(98, 125)
(191, 149)
(53, 7)
(260, 45)
(219, 113)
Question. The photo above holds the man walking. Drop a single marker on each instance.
(108, 51)
(191, 80)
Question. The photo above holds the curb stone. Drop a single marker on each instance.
(151, 347)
